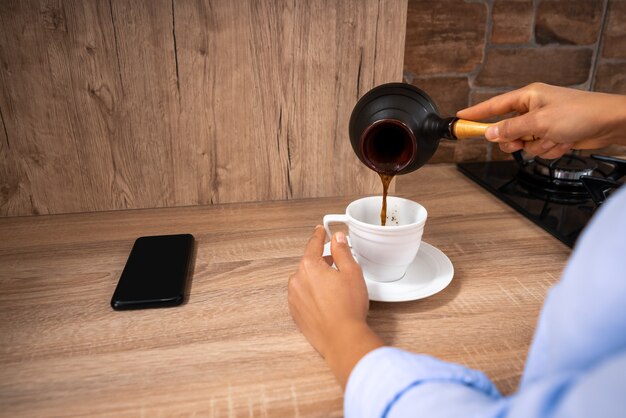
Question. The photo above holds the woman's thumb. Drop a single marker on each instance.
(341, 252)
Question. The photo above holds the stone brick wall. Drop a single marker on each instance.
(463, 52)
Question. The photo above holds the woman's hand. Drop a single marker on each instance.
(562, 119)
(330, 305)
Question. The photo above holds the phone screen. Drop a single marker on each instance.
(155, 274)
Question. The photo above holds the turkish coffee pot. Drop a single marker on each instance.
(395, 128)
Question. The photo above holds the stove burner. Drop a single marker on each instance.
(568, 167)
(560, 180)
(558, 195)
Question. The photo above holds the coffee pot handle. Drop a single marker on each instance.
(464, 129)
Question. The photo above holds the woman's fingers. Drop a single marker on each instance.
(511, 147)
(556, 151)
(513, 101)
(315, 247)
(342, 254)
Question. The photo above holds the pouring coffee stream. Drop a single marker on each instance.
(395, 128)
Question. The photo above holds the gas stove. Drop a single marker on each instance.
(559, 195)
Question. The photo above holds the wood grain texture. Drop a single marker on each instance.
(136, 104)
(232, 349)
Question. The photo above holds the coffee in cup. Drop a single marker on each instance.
(383, 252)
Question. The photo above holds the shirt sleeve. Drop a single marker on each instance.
(583, 320)
(384, 376)
(393, 383)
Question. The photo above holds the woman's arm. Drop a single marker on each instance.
(330, 305)
(563, 119)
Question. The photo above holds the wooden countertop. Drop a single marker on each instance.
(233, 349)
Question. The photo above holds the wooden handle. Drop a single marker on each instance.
(464, 129)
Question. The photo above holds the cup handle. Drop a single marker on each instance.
(328, 219)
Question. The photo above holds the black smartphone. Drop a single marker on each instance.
(156, 273)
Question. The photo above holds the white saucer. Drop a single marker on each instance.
(429, 273)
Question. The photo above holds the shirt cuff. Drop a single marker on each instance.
(383, 375)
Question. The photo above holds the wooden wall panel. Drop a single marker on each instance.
(131, 104)
(61, 104)
(144, 45)
(36, 114)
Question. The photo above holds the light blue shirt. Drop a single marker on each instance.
(577, 361)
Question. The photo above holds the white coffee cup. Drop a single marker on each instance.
(383, 252)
